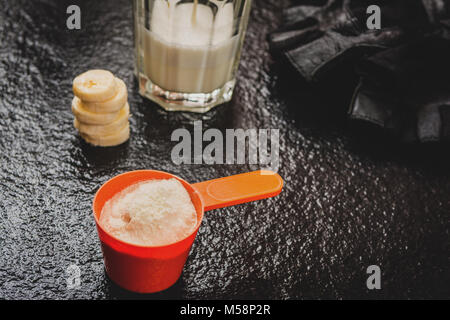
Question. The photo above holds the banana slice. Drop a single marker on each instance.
(94, 118)
(95, 85)
(102, 130)
(110, 140)
(112, 105)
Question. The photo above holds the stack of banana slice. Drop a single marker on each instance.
(101, 109)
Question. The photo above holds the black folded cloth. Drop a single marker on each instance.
(404, 67)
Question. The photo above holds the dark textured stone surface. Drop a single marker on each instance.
(346, 204)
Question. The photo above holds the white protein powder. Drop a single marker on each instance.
(150, 213)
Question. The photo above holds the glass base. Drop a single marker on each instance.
(178, 101)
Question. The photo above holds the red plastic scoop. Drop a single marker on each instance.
(150, 269)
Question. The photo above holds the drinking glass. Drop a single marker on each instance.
(188, 51)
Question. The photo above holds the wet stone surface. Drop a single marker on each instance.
(348, 202)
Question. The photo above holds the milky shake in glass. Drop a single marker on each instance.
(187, 51)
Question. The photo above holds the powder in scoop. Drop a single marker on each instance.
(150, 213)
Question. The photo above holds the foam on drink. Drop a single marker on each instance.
(150, 213)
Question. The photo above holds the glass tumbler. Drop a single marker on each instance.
(188, 51)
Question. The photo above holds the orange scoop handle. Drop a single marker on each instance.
(240, 188)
